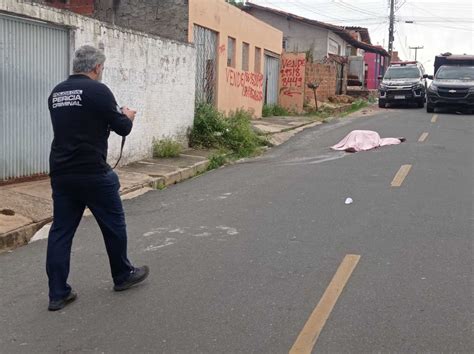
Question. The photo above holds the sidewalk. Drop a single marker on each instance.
(26, 207)
(280, 129)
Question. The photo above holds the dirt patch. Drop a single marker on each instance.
(341, 99)
(7, 212)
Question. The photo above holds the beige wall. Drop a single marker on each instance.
(236, 88)
(292, 81)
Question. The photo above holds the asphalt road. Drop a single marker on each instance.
(241, 256)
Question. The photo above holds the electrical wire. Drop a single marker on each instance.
(404, 50)
(300, 5)
(342, 4)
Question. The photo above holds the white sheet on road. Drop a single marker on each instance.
(362, 140)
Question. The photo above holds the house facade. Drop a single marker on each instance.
(321, 40)
(376, 66)
(316, 38)
(237, 55)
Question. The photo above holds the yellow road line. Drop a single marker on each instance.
(400, 176)
(434, 118)
(423, 137)
(312, 329)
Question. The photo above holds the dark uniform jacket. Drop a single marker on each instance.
(83, 111)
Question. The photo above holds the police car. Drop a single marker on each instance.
(404, 82)
(453, 83)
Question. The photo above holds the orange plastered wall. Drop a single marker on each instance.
(236, 88)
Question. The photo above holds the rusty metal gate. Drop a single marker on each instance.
(271, 78)
(205, 41)
(34, 57)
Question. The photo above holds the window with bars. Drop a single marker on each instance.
(334, 47)
(245, 56)
(258, 60)
(231, 52)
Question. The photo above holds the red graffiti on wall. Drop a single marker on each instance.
(291, 93)
(251, 83)
(221, 49)
(291, 73)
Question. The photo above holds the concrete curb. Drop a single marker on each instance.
(283, 136)
(23, 235)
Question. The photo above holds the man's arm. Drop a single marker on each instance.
(120, 121)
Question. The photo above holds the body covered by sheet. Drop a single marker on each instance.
(362, 140)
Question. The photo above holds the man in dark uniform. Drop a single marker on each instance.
(83, 112)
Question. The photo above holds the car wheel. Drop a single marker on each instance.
(381, 103)
(429, 108)
(420, 104)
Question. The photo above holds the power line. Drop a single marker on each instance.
(400, 6)
(447, 27)
(403, 43)
(320, 14)
(354, 8)
(405, 53)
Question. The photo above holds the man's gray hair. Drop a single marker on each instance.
(86, 58)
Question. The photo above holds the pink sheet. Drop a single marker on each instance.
(362, 140)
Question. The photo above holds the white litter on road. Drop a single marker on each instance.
(229, 230)
(41, 234)
(203, 234)
(168, 242)
(349, 201)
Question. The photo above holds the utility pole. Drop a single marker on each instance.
(391, 37)
(416, 50)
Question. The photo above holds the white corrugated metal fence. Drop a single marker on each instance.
(34, 57)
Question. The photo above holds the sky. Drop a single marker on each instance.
(438, 25)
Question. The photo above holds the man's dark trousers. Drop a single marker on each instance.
(71, 195)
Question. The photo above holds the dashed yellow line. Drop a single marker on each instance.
(434, 118)
(400, 176)
(423, 137)
(312, 329)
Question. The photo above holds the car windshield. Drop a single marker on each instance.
(456, 73)
(402, 73)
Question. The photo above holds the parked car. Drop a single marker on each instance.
(404, 82)
(453, 83)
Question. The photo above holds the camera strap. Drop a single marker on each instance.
(121, 151)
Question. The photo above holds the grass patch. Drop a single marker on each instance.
(209, 127)
(324, 114)
(166, 148)
(274, 111)
(217, 160)
(355, 106)
(321, 114)
(232, 134)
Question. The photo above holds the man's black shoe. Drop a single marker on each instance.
(137, 275)
(60, 304)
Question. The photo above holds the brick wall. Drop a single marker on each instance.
(325, 75)
(165, 18)
(83, 7)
